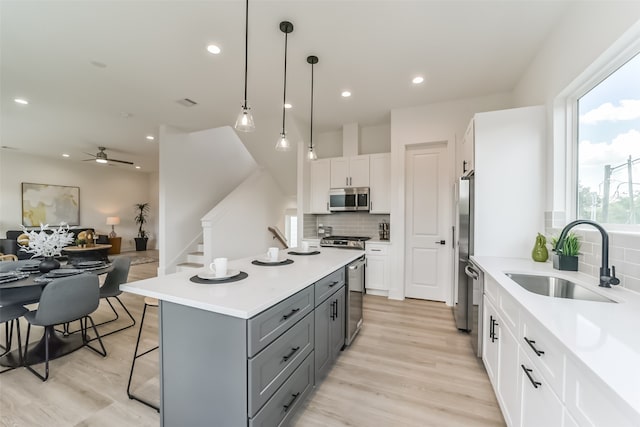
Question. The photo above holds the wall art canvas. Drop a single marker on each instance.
(50, 204)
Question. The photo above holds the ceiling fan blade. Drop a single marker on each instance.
(89, 154)
(121, 161)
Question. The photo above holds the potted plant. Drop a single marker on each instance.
(566, 256)
(142, 210)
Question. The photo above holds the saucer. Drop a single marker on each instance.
(267, 260)
(210, 275)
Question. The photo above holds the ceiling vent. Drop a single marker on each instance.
(187, 102)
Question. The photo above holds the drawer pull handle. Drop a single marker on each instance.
(335, 282)
(533, 347)
(291, 313)
(288, 405)
(376, 250)
(288, 356)
(527, 371)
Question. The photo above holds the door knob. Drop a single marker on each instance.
(440, 242)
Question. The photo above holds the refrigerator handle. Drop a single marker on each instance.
(469, 271)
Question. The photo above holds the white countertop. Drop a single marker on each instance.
(265, 286)
(604, 336)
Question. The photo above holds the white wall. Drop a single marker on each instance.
(375, 139)
(237, 226)
(433, 123)
(104, 191)
(197, 170)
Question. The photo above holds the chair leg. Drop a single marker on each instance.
(8, 343)
(85, 337)
(8, 337)
(46, 355)
(133, 364)
(133, 321)
(66, 325)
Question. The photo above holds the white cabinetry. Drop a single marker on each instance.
(377, 274)
(466, 161)
(535, 377)
(380, 183)
(350, 172)
(319, 176)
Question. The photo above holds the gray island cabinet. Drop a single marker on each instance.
(228, 358)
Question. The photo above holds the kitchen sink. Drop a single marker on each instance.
(555, 287)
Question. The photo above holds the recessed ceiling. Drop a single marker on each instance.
(82, 64)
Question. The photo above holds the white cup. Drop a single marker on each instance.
(219, 266)
(272, 254)
(305, 246)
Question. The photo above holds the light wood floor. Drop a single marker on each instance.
(409, 366)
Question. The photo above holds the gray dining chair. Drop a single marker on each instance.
(18, 296)
(111, 289)
(10, 316)
(65, 300)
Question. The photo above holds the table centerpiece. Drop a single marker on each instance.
(47, 243)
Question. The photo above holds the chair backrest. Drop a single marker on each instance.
(13, 265)
(8, 257)
(68, 299)
(117, 276)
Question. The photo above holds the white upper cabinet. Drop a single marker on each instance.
(380, 183)
(319, 176)
(350, 172)
(467, 151)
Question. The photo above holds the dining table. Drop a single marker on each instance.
(60, 344)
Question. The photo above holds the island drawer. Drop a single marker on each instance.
(273, 365)
(265, 327)
(284, 403)
(326, 286)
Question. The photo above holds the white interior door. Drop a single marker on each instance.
(427, 223)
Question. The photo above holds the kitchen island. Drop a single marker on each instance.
(244, 353)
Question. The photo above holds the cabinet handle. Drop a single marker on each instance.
(346, 180)
(350, 181)
(533, 347)
(288, 405)
(335, 316)
(376, 250)
(492, 329)
(291, 313)
(327, 206)
(333, 310)
(333, 283)
(288, 356)
(527, 371)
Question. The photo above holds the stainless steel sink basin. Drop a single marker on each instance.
(555, 287)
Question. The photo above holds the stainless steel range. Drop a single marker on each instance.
(348, 242)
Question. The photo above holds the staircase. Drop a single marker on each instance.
(195, 260)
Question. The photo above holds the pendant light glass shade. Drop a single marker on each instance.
(244, 122)
(283, 143)
(311, 154)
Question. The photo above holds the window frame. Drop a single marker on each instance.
(615, 57)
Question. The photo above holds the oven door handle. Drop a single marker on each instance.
(471, 272)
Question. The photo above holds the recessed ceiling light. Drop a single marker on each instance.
(137, 167)
(21, 101)
(65, 155)
(417, 80)
(287, 105)
(212, 48)
(346, 94)
(150, 137)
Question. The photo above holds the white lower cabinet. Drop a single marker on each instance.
(378, 270)
(500, 355)
(540, 405)
(535, 377)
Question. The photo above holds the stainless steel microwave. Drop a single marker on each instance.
(349, 199)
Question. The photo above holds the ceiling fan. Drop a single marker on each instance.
(101, 157)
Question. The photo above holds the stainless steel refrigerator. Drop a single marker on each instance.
(462, 308)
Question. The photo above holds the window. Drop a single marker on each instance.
(608, 158)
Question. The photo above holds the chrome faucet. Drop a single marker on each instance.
(607, 277)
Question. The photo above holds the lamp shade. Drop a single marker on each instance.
(113, 220)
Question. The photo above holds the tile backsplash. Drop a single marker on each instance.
(624, 253)
(345, 224)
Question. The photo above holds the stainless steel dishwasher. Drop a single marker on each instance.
(355, 290)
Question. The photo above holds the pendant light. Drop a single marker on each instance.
(311, 155)
(244, 122)
(283, 143)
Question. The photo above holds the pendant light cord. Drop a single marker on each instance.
(284, 97)
(246, 52)
(311, 128)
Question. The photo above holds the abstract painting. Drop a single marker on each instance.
(50, 204)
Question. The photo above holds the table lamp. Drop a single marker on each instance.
(113, 220)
